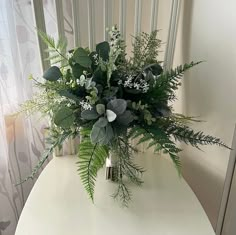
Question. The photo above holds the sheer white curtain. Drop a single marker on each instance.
(21, 138)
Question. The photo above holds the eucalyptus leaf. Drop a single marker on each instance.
(89, 114)
(156, 69)
(64, 117)
(103, 50)
(98, 134)
(125, 118)
(111, 116)
(109, 133)
(100, 108)
(101, 122)
(111, 92)
(118, 106)
(81, 57)
(52, 74)
(77, 70)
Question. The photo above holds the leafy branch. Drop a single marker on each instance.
(57, 141)
(168, 82)
(57, 49)
(92, 157)
(157, 138)
(185, 134)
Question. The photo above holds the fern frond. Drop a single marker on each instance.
(168, 82)
(47, 39)
(122, 193)
(185, 134)
(145, 49)
(126, 169)
(54, 141)
(91, 159)
(56, 50)
(158, 138)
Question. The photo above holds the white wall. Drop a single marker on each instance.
(229, 226)
(207, 32)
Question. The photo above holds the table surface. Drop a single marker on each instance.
(164, 205)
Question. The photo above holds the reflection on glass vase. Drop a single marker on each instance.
(112, 169)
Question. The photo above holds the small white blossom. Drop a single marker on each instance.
(95, 56)
(120, 82)
(137, 86)
(145, 87)
(85, 105)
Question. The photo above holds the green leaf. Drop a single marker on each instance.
(68, 94)
(89, 114)
(125, 118)
(103, 50)
(109, 133)
(100, 108)
(64, 117)
(81, 57)
(91, 159)
(118, 106)
(52, 74)
(98, 134)
(101, 122)
(77, 70)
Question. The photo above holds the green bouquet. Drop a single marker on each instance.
(107, 100)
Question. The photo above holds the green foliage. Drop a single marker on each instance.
(145, 49)
(56, 140)
(118, 106)
(90, 114)
(81, 56)
(52, 74)
(168, 82)
(56, 50)
(127, 170)
(92, 157)
(64, 117)
(103, 50)
(107, 96)
(159, 139)
(101, 134)
(100, 108)
(185, 134)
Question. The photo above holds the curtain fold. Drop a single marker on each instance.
(21, 137)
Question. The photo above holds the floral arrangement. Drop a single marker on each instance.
(108, 99)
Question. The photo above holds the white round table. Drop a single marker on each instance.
(164, 205)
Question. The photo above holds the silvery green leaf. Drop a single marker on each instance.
(89, 83)
(89, 114)
(98, 134)
(125, 118)
(101, 122)
(52, 74)
(82, 80)
(109, 133)
(111, 116)
(100, 108)
(117, 105)
(64, 117)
